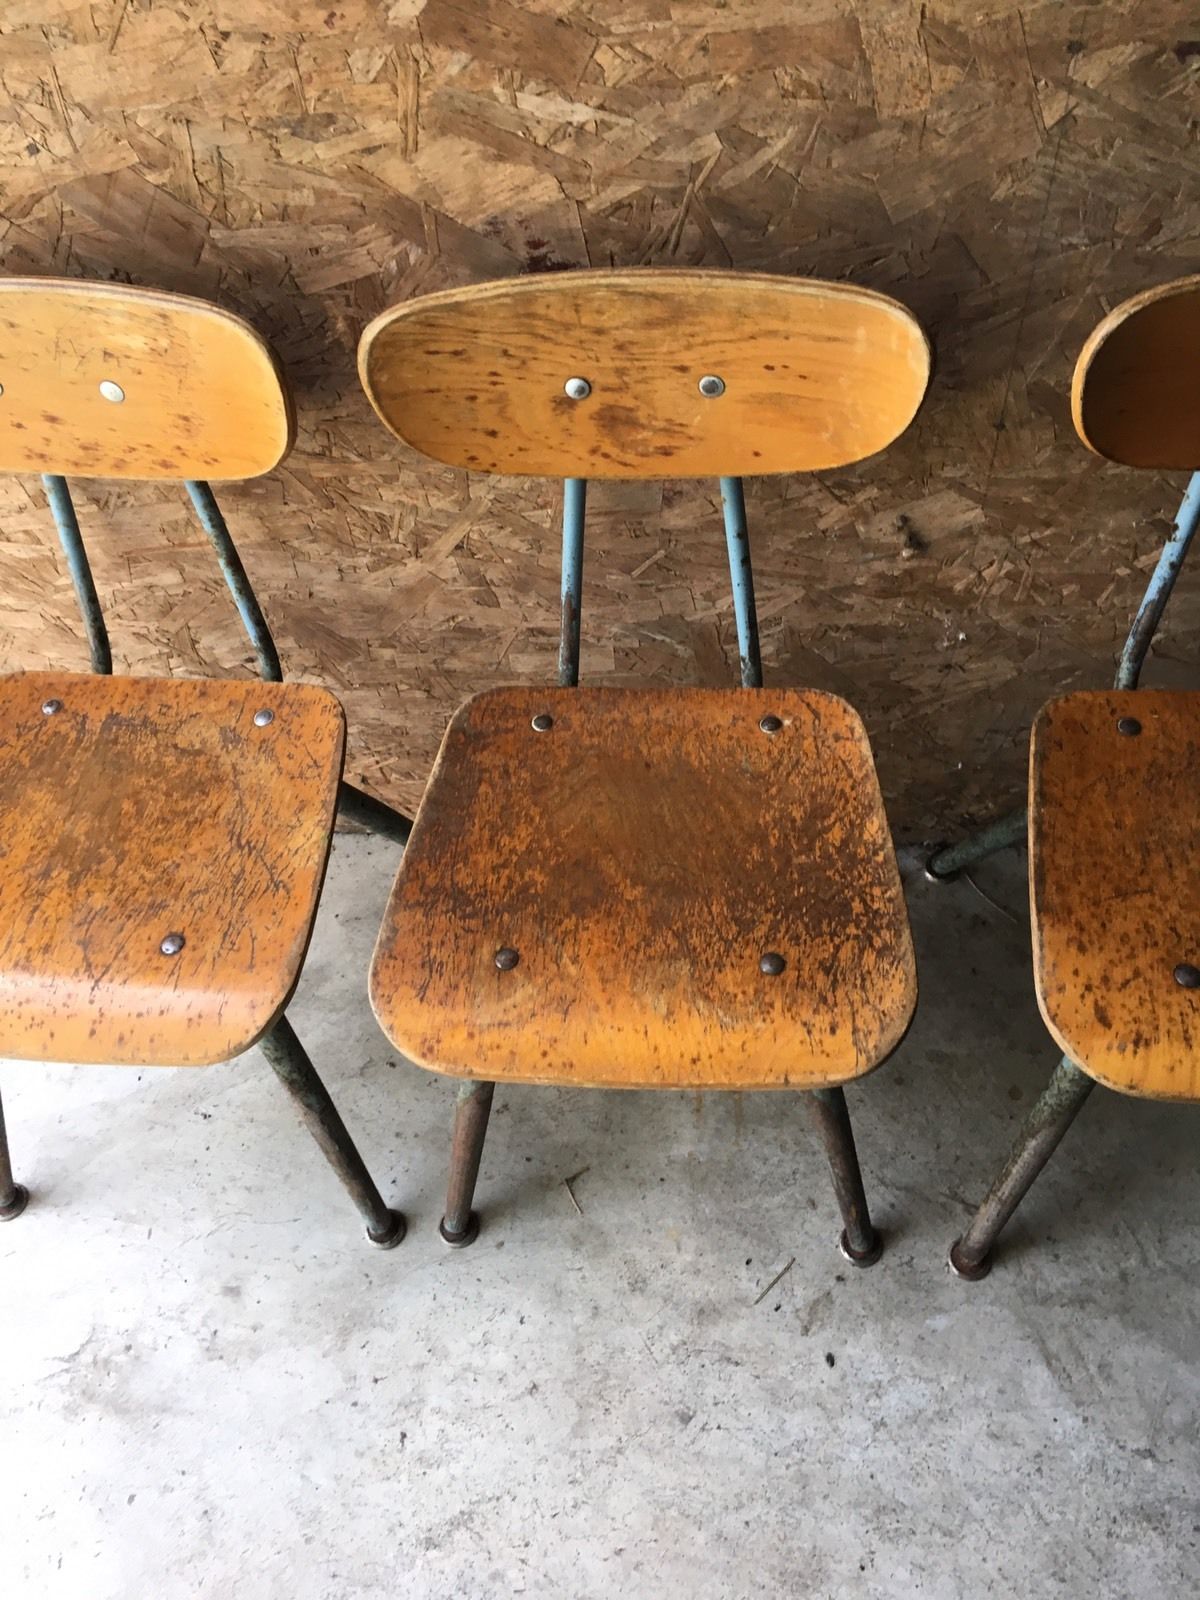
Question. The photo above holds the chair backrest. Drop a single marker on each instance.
(104, 381)
(647, 373)
(1134, 396)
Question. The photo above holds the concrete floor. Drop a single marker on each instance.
(213, 1386)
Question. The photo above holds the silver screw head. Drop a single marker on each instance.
(263, 717)
(711, 386)
(577, 388)
(771, 724)
(172, 944)
(506, 958)
(543, 722)
(51, 707)
(1187, 976)
(112, 391)
(771, 963)
(1129, 725)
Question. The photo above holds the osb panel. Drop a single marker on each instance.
(1009, 173)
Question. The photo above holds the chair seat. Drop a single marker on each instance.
(141, 808)
(1114, 832)
(641, 855)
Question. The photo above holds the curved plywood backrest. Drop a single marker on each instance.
(807, 375)
(104, 381)
(1134, 396)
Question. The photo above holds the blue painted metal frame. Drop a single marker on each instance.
(947, 862)
(353, 802)
(574, 512)
(67, 523)
(741, 575)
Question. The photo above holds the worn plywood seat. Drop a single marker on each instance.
(1113, 834)
(645, 855)
(135, 811)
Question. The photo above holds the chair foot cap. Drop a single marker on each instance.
(968, 1270)
(460, 1241)
(861, 1258)
(392, 1236)
(17, 1203)
(931, 872)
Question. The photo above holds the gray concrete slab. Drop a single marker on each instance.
(212, 1385)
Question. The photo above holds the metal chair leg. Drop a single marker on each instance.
(1053, 1113)
(460, 1226)
(860, 1242)
(14, 1197)
(296, 1072)
(945, 862)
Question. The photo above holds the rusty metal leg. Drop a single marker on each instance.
(460, 1226)
(14, 1197)
(1052, 1114)
(296, 1072)
(860, 1243)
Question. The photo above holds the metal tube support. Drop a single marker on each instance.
(1052, 1114)
(860, 1242)
(574, 510)
(69, 536)
(368, 812)
(296, 1072)
(1158, 590)
(460, 1226)
(14, 1197)
(239, 585)
(945, 862)
(737, 540)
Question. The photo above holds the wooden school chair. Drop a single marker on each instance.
(164, 841)
(1114, 781)
(649, 888)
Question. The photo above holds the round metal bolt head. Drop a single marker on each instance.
(772, 963)
(172, 944)
(771, 724)
(263, 717)
(112, 391)
(543, 722)
(711, 386)
(577, 388)
(50, 707)
(1129, 725)
(1187, 976)
(506, 958)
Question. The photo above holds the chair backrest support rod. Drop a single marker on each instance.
(234, 573)
(1158, 590)
(574, 509)
(63, 508)
(737, 538)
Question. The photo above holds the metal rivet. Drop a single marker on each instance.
(49, 707)
(1187, 976)
(1129, 725)
(577, 388)
(112, 391)
(506, 958)
(261, 718)
(771, 724)
(772, 964)
(542, 722)
(711, 386)
(172, 944)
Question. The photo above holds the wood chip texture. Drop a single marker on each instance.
(1008, 173)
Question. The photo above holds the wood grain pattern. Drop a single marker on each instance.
(641, 856)
(1116, 887)
(816, 375)
(203, 397)
(1133, 395)
(146, 807)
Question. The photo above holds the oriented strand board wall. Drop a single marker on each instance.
(1008, 171)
